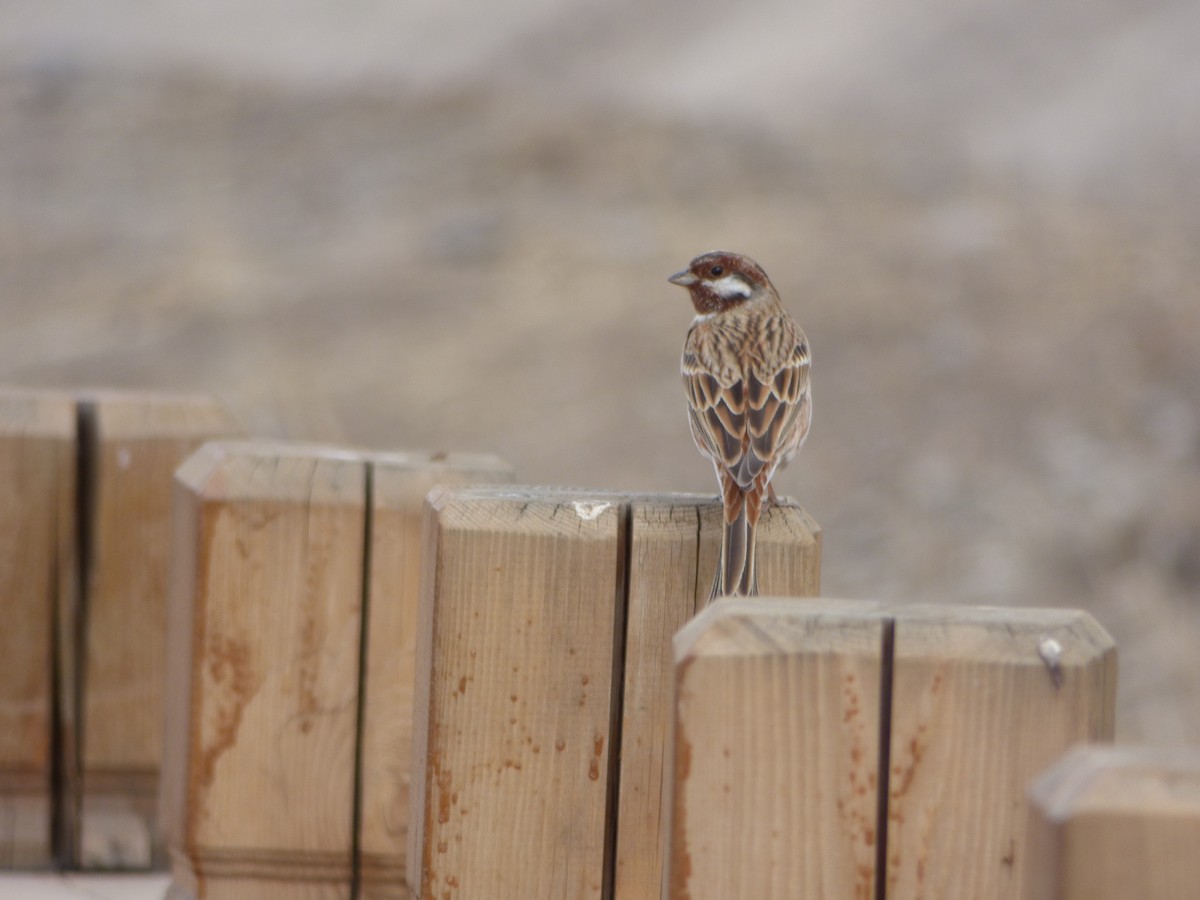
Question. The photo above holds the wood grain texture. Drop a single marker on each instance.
(37, 514)
(137, 441)
(1113, 823)
(264, 632)
(399, 484)
(514, 694)
(972, 703)
(982, 701)
(774, 757)
(674, 543)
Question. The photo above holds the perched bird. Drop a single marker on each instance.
(745, 368)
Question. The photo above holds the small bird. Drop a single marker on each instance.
(745, 369)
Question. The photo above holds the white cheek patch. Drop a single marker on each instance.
(730, 286)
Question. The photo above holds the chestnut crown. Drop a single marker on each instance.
(720, 280)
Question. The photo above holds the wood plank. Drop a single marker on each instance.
(674, 544)
(514, 693)
(982, 701)
(972, 702)
(400, 483)
(37, 514)
(1112, 823)
(135, 441)
(264, 630)
(774, 758)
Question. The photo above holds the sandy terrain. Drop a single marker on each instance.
(415, 226)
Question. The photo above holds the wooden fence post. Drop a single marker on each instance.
(775, 752)
(400, 483)
(529, 675)
(291, 641)
(515, 694)
(973, 703)
(1114, 823)
(83, 567)
(132, 443)
(264, 630)
(982, 700)
(674, 544)
(37, 534)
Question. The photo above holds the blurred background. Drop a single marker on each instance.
(448, 226)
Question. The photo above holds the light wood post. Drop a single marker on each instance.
(515, 694)
(982, 701)
(775, 752)
(292, 635)
(674, 545)
(132, 444)
(83, 564)
(973, 703)
(37, 534)
(1114, 823)
(399, 485)
(566, 601)
(264, 630)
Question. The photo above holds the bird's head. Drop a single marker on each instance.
(721, 280)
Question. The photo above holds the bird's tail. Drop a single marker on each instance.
(736, 572)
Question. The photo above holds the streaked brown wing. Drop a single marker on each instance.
(775, 401)
(718, 416)
(746, 424)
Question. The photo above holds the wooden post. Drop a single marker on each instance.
(132, 444)
(37, 517)
(973, 703)
(287, 753)
(83, 568)
(1113, 823)
(775, 752)
(982, 701)
(515, 694)
(264, 629)
(674, 545)
(529, 600)
(399, 485)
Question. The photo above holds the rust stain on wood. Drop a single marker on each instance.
(233, 678)
(681, 857)
(597, 753)
(446, 794)
(310, 645)
(433, 775)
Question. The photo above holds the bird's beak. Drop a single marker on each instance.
(683, 279)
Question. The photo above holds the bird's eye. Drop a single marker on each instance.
(716, 271)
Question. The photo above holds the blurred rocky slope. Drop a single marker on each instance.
(422, 225)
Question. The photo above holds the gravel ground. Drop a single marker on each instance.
(407, 229)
